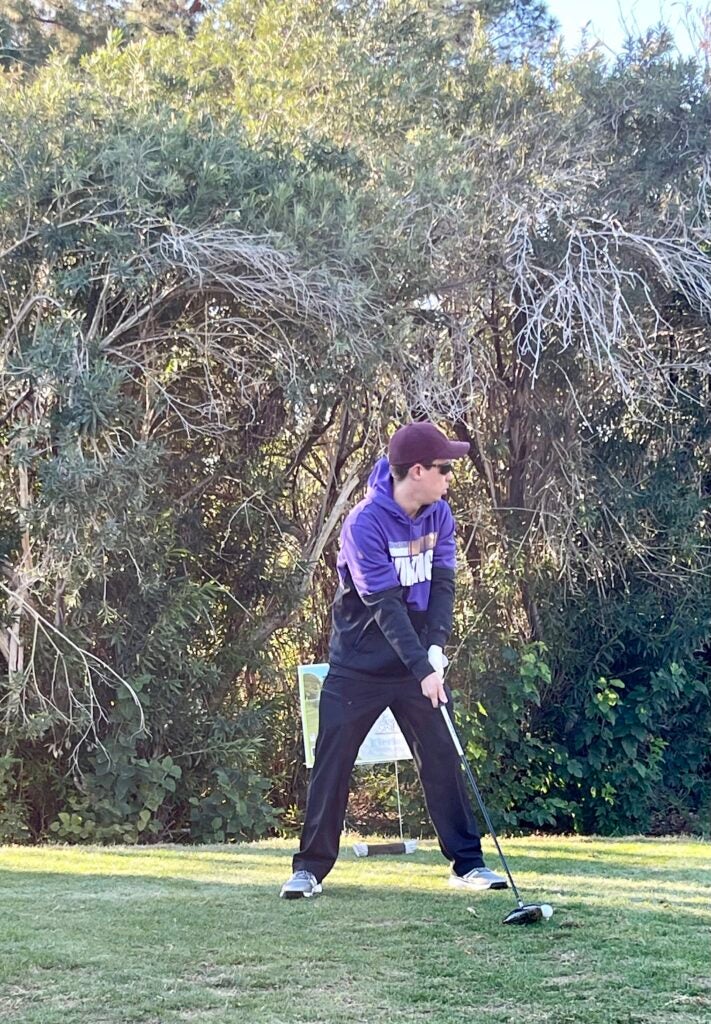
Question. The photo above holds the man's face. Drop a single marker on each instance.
(433, 480)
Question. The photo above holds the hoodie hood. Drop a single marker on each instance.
(380, 492)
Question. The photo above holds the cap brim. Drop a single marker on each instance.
(457, 449)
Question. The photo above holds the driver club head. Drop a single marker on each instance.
(529, 913)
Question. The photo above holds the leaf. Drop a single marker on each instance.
(630, 746)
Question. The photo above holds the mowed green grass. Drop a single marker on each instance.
(167, 934)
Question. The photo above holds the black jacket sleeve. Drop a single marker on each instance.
(440, 609)
(390, 614)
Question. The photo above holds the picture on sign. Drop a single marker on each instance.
(384, 742)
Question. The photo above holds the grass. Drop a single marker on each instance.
(169, 934)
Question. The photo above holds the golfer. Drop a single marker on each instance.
(392, 616)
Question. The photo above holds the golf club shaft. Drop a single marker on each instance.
(479, 799)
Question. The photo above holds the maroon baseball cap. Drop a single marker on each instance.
(423, 442)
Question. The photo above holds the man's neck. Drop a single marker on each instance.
(403, 496)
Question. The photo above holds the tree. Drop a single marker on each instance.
(164, 317)
(543, 251)
(30, 30)
(231, 262)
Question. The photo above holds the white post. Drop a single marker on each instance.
(399, 808)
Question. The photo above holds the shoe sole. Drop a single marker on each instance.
(461, 884)
(300, 895)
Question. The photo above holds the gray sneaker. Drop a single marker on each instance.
(301, 883)
(478, 879)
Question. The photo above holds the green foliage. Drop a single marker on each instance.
(235, 250)
(146, 501)
(123, 796)
(13, 813)
(30, 30)
(591, 760)
(235, 808)
(128, 796)
(380, 800)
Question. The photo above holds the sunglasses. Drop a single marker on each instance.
(443, 467)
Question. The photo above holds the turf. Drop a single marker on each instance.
(167, 934)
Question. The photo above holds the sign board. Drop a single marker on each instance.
(384, 742)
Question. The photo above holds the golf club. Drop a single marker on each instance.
(524, 913)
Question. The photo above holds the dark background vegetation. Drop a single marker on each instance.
(238, 245)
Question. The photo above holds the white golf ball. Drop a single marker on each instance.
(546, 910)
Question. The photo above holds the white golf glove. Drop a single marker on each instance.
(437, 659)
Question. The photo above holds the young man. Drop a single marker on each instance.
(392, 616)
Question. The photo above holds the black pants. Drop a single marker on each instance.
(347, 710)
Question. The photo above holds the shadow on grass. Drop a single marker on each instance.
(613, 892)
(603, 866)
(701, 851)
(214, 852)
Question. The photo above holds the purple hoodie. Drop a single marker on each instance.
(396, 585)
